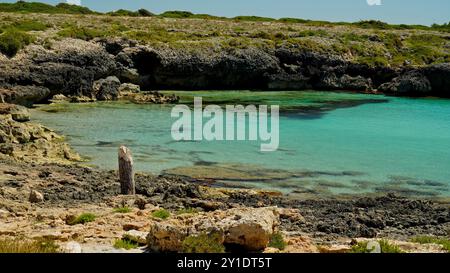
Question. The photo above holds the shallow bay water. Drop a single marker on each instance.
(330, 143)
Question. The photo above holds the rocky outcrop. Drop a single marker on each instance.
(28, 141)
(412, 83)
(152, 98)
(71, 68)
(95, 69)
(107, 89)
(244, 228)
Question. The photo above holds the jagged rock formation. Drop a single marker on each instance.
(30, 142)
(96, 69)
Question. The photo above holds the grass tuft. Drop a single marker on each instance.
(444, 242)
(161, 214)
(277, 241)
(82, 219)
(28, 246)
(125, 244)
(386, 247)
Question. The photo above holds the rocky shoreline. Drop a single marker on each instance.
(38, 196)
(95, 69)
(44, 186)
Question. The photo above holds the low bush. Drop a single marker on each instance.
(277, 241)
(13, 40)
(445, 242)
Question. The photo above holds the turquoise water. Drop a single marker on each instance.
(330, 143)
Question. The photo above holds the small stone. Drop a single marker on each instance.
(139, 237)
(3, 214)
(129, 88)
(133, 226)
(374, 247)
(59, 98)
(36, 197)
(72, 247)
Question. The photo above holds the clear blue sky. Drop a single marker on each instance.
(393, 11)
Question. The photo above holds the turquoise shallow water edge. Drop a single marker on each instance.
(330, 143)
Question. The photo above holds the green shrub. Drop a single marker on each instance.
(82, 219)
(203, 243)
(80, 33)
(13, 40)
(28, 246)
(386, 247)
(445, 242)
(124, 12)
(123, 209)
(277, 241)
(293, 20)
(374, 24)
(253, 19)
(30, 25)
(145, 13)
(177, 14)
(162, 214)
(125, 244)
(35, 7)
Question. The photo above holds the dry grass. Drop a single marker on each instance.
(27, 246)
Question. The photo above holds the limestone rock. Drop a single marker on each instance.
(36, 197)
(412, 83)
(59, 98)
(374, 247)
(107, 89)
(82, 99)
(129, 88)
(139, 237)
(20, 114)
(3, 214)
(248, 229)
(72, 247)
(153, 97)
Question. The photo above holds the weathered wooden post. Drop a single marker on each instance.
(126, 174)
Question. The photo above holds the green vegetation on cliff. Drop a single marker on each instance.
(36, 7)
(12, 40)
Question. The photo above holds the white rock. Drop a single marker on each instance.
(72, 247)
(3, 214)
(374, 247)
(139, 237)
